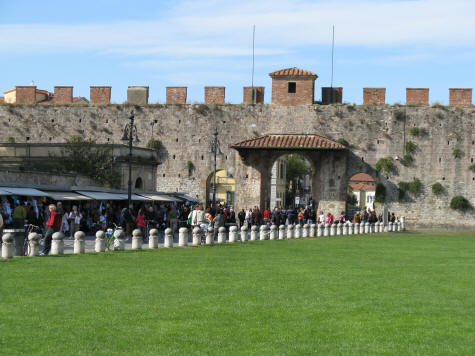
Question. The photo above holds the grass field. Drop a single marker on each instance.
(384, 294)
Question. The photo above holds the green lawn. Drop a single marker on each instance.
(382, 294)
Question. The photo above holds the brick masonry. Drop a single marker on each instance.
(25, 94)
(374, 96)
(215, 95)
(460, 97)
(417, 96)
(247, 95)
(332, 95)
(63, 94)
(176, 95)
(304, 93)
(100, 95)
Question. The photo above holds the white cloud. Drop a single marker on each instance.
(211, 28)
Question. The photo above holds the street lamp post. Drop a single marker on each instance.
(130, 130)
(216, 151)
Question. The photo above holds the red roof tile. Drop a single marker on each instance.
(283, 141)
(362, 177)
(294, 71)
(362, 187)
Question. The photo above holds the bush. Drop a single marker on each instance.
(11, 139)
(472, 168)
(385, 165)
(459, 203)
(343, 142)
(414, 131)
(414, 188)
(457, 153)
(380, 193)
(154, 144)
(437, 188)
(410, 147)
(408, 159)
(190, 166)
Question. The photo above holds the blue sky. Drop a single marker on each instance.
(392, 44)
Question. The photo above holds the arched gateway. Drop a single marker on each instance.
(256, 156)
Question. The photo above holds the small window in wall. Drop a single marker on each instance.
(292, 87)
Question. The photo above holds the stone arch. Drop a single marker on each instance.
(139, 183)
(225, 187)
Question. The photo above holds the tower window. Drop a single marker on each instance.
(292, 87)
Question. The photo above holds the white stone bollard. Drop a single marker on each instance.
(100, 243)
(356, 228)
(183, 237)
(319, 230)
(79, 243)
(351, 228)
(396, 226)
(305, 230)
(221, 235)
(57, 244)
(254, 233)
(8, 247)
(119, 240)
(371, 228)
(281, 232)
(390, 227)
(273, 232)
(298, 231)
(210, 236)
(403, 223)
(345, 228)
(290, 231)
(332, 229)
(362, 228)
(168, 239)
(153, 238)
(366, 228)
(326, 230)
(196, 236)
(376, 227)
(136, 239)
(339, 229)
(34, 244)
(243, 233)
(313, 230)
(233, 234)
(262, 232)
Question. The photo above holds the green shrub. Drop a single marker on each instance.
(457, 153)
(408, 159)
(414, 131)
(459, 203)
(472, 168)
(414, 188)
(380, 193)
(343, 142)
(11, 139)
(410, 147)
(437, 188)
(154, 144)
(190, 166)
(385, 165)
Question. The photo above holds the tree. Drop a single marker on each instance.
(295, 167)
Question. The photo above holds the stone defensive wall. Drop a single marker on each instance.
(444, 145)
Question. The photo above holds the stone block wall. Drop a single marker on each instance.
(137, 95)
(176, 95)
(25, 94)
(417, 96)
(332, 95)
(215, 95)
(258, 95)
(303, 95)
(100, 95)
(63, 94)
(374, 96)
(460, 97)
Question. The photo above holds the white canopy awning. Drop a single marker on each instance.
(109, 196)
(160, 197)
(4, 192)
(187, 197)
(27, 192)
(67, 196)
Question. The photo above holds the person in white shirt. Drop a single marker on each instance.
(74, 219)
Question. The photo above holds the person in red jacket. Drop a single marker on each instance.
(53, 224)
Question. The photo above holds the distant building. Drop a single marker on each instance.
(40, 96)
(278, 183)
(363, 187)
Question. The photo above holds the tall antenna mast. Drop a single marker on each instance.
(333, 51)
(252, 75)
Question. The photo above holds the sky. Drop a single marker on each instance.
(378, 43)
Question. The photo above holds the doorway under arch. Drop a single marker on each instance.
(225, 188)
(139, 183)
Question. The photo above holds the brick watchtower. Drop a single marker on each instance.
(293, 86)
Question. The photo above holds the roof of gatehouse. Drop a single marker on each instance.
(293, 72)
(289, 141)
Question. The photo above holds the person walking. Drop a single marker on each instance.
(241, 217)
(19, 216)
(52, 225)
(74, 219)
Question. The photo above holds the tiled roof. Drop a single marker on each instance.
(362, 187)
(362, 177)
(294, 71)
(283, 141)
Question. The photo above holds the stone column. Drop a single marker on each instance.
(273, 232)
(243, 233)
(136, 239)
(119, 240)
(254, 233)
(351, 228)
(210, 236)
(390, 227)
(34, 243)
(298, 231)
(339, 229)
(281, 232)
(305, 230)
(403, 223)
(79, 243)
(290, 231)
(332, 229)
(153, 238)
(8, 247)
(100, 243)
(319, 230)
(262, 232)
(196, 236)
(233, 234)
(57, 244)
(183, 236)
(221, 235)
(326, 230)
(168, 239)
(345, 228)
(313, 229)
